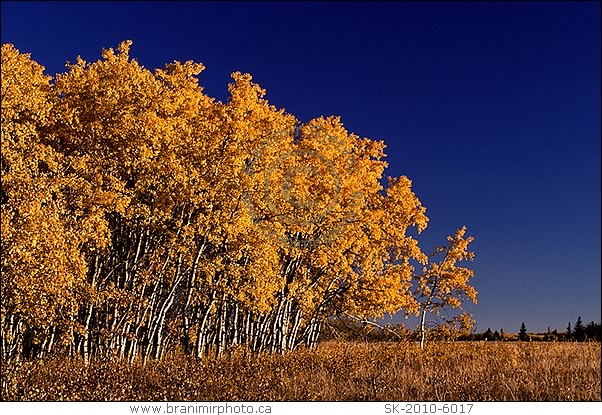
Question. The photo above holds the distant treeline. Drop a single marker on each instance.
(350, 330)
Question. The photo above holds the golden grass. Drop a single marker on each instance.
(336, 371)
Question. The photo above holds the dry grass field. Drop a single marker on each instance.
(336, 371)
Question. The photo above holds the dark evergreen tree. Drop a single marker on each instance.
(488, 335)
(579, 330)
(522, 333)
(593, 331)
(569, 332)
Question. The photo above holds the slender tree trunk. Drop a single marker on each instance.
(422, 327)
(202, 335)
(292, 342)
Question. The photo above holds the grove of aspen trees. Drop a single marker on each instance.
(139, 216)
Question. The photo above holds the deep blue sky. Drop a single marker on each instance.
(492, 109)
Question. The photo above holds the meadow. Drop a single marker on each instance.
(334, 371)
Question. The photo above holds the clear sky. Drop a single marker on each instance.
(491, 108)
